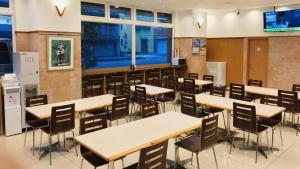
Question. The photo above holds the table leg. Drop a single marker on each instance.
(111, 165)
(261, 149)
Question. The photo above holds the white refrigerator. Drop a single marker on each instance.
(26, 67)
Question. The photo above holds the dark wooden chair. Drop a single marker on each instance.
(140, 98)
(154, 157)
(120, 108)
(86, 89)
(156, 82)
(250, 96)
(114, 82)
(135, 77)
(289, 100)
(125, 89)
(150, 109)
(189, 86)
(96, 87)
(207, 88)
(62, 120)
(152, 74)
(274, 121)
(193, 75)
(169, 97)
(237, 91)
(207, 139)
(296, 88)
(88, 125)
(244, 119)
(220, 92)
(188, 104)
(31, 120)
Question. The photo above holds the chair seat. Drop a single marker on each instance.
(94, 159)
(96, 111)
(165, 99)
(269, 122)
(192, 144)
(259, 129)
(38, 123)
(133, 166)
(213, 110)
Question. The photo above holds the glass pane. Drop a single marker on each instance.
(164, 17)
(92, 9)
(153, 45)
(142, 15)
(4, 3)
(106, 45)
(5, 44)
(120, 13)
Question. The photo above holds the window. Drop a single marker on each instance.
(153, 45)
(164, 17)
(4, 3)
(142, 15)
(5, 44)
(106, 45)
(120, 12)
(92, 9)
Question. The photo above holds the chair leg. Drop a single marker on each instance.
(174, 105)
(81, 165)
(25, 136)
(198, 166)
(257, 145)
(40, 143)
(58, 141)
(74, 143)
(192, 158)
(64, 140)
(50, 148)
(267, 133)
(231, 145)
(280, 134)
(297, 128)
(224, 121)
(272, 144)
(123, 165)
(215, 158)
(33, 141)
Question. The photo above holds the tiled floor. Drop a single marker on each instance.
(14, 156)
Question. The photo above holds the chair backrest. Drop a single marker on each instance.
(62, 118)
(218, 91)
(173, 80)
(86, 89)
(193, 75)
(244, 117)
(237, 91)
(154, 157)
(140, 95)
(208, 78)
(156, 82)
(120, 107)
(189, 86)
(256, 83)
(296, 87)
(188, 104)
(169, 84)
(91, 124)
(289, 100)
(209, 132)
(269, 100)
(150, 109)
(125, 89)
(96, 87)
(36, 100)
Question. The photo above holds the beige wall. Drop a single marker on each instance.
(58, 85)
(196, 64)
(284, 62)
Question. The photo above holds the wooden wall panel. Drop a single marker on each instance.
(231, 51)
(196, 64)
(58, 85)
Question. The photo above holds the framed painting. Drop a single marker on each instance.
(60, 53)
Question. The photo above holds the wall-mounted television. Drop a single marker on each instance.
(282, 21)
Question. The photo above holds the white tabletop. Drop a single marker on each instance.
(263, 91)
(153, 90)
(198, 82)
(44, 111)
(262, 110)
(118, 141)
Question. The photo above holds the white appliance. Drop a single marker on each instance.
(12, 105)
(26, 66)
(218, 70)
(178, 61)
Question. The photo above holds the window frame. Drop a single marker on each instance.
(92, 3)
(133, 22)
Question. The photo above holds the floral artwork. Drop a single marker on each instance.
(60, 53)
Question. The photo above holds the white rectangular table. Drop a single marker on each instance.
(118, 141)
(153, 90)
(263, 91)
(198, 82)
(81, 105)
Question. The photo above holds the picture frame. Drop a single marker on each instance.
(199, 46)
(60, 51)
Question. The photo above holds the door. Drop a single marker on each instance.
(258, 60)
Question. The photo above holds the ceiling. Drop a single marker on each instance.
(174, 5)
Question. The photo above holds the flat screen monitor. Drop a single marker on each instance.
(282, 21)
